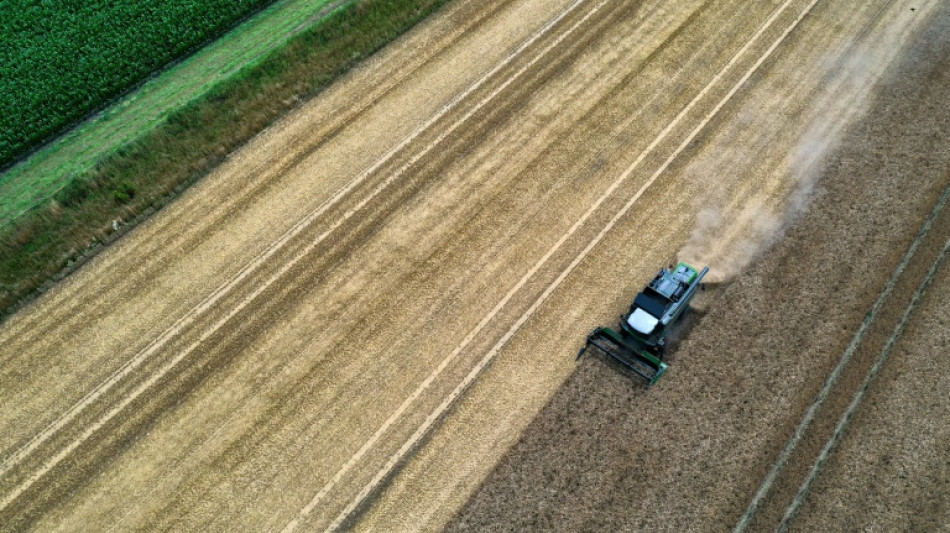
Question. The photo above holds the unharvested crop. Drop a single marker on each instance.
(147, 173)
(61, 60)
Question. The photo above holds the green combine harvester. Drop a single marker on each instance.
(640, 343)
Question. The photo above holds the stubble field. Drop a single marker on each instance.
(367, 317)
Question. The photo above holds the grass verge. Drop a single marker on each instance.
(60, 61)
(52, 239)
(35, 179)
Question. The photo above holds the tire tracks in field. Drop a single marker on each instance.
(268, 179)
(354, 311)
(437, 414)
(842, 426)
(180, 325)
(807, 422)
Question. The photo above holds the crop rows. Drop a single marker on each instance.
(143, 175)
(61, 59)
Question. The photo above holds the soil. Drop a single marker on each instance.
(371, 312)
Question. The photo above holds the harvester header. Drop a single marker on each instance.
(640, 342)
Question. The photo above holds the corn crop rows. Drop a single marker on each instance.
(60, 60)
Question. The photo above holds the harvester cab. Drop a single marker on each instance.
(640, 343)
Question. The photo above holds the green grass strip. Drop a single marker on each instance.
(145, 174)
(35, 179)
(61, 59)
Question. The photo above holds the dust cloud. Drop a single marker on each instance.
(709, 244)
(733, 228)
(729, 234)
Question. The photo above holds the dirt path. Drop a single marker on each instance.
(354, 318)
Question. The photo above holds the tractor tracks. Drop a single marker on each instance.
(261, 177)
(862, 391)
(223, 305)
(433, 418)
(786, 485)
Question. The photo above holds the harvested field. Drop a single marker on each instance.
(605, 455)
(367, 318)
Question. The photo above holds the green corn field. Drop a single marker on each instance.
(63, 59)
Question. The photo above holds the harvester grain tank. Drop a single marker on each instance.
(641, 340)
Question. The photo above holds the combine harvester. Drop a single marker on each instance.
(640, 343)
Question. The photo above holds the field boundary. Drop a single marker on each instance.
(137, 110)
(23, 150)
(53, 239)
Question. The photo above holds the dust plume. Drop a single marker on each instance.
(730, 233)
(715, 242)
(732, 228)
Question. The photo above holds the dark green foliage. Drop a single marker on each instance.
(73, 194)
(124, 193)
(62, 59)
(146, 174)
